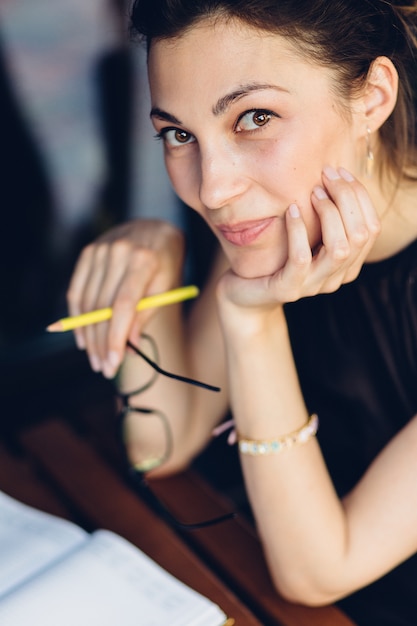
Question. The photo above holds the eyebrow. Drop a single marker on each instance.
(223, 103)
(164, 116)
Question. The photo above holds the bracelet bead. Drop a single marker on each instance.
(259, 447)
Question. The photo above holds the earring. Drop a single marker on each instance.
(370, 161)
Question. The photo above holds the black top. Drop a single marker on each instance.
(356, 354)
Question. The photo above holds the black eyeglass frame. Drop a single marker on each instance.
(138, 477)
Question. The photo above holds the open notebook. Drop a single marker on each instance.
(53, 572)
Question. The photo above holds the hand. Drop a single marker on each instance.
(130, 261)
(349, 228)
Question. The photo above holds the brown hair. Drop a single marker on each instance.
(347, 35)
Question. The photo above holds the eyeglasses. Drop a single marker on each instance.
(157, 426)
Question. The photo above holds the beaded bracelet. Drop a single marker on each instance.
(273, 446)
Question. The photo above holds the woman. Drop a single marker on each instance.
(289, 126)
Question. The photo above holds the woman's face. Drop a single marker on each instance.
(248, 126)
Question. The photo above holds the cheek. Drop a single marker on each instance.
(289, 173)
(287, 166)
(185, 180)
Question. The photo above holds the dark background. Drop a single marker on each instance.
(43, 374)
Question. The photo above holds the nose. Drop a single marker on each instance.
(222, 177)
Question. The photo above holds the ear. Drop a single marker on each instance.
(380, 94)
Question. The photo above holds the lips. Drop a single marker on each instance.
(244, 233)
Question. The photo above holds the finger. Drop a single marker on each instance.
(91, 301)
(143, 267)
(333, 233)
(117, 266)
(78, 280)
(360, 220)
(349, 198)
(371, 224)
(360, 223)
(335, 251)
(135, 330)
(293, 275)
(345, 210)
(366, 206)
(76, 288)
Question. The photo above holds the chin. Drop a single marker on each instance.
(257, 265)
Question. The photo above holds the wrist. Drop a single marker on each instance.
(247, 307)
(265, 396)
(250, 323)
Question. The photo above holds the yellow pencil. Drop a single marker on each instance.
(101, 315)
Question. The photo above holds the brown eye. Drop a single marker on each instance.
(181, 136)
(251, 120)
(174, 137)
(260, 118)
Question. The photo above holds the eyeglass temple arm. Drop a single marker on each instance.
(153, 500)
(159, 369)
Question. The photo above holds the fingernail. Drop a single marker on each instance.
(320, 193)
(79, 340)
(113, 359)
(346, 175)
(95, 363)
(331, 173)
(108, 370)
(294, 210)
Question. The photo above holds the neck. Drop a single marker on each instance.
(397, 210)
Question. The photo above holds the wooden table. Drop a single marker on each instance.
(61, 474)
(68, 464)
